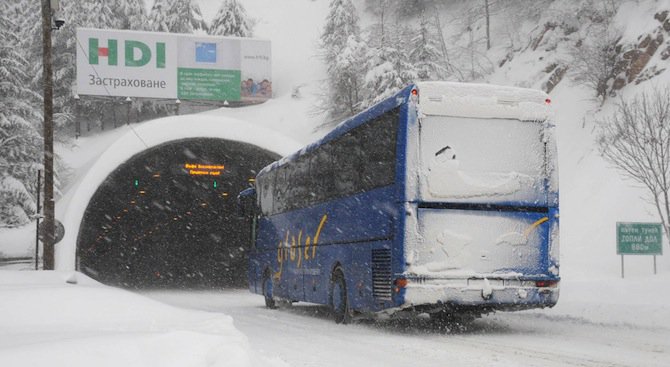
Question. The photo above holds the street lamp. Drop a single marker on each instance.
(177, 103)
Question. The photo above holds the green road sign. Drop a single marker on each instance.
(208, 84)
(639, 238)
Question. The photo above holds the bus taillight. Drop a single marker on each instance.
(414, 95)
(399, 283)
(546, 283)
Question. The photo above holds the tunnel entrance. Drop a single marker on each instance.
(168, 217)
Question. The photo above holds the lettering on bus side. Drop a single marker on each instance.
(294, 249)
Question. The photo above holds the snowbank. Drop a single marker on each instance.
(66, 319)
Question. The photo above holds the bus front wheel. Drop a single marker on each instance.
(267, 292)
(339, 301)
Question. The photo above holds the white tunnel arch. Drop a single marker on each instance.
(72, 206)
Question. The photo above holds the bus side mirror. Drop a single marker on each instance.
(246, 203)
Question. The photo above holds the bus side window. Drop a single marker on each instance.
(321, 174)
(379, 153)
(265, 195)
(280, 191)
(300, 183)
(346, 163)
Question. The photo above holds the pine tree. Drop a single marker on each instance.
(341, 22)
(425, 53)
(231, 20)
(176, 16)
(130, 14)
(389, 68)
(344, 54)
(346, 77)
(20, 141)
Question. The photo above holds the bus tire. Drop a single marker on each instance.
(339, 301)
(267, 292)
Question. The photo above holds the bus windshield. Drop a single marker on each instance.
(478, 160)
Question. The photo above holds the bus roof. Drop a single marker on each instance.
(447, 99)
(482, 101)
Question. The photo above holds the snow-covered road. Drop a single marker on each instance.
(305, 335)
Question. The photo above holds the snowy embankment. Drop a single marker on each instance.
(66, 319)
(46, 321)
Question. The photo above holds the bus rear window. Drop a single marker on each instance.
(482, 160)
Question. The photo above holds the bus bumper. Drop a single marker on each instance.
(486, 294)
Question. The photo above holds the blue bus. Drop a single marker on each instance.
(440, 200)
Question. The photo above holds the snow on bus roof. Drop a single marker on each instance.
(483, 101)
(447, 99)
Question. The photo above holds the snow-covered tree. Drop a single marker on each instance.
(130, 14)
(341, 22)
(231, 20)
(20, 141)
(346, 78)
(595, 58)
(344, 53)
(425, 52)
(176, 16)
(389, 68)
(636, 139)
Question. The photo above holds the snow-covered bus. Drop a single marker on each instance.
(442, 199)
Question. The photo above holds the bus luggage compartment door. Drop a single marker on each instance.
(481, 242)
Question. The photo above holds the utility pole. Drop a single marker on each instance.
(47, 80)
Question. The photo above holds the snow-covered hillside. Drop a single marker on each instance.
(594, 196)
(106, 326)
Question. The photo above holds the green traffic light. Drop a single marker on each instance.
(136, 182)
(215, 184)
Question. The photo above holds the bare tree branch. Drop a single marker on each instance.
(636, 140)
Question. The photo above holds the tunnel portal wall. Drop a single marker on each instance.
(144, 137)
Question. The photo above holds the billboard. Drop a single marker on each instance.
(169, 65)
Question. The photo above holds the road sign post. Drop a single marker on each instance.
(639, 239)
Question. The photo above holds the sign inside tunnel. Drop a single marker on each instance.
(199, 169)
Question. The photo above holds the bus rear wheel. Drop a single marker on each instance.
(339, 301)
(267, 292)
